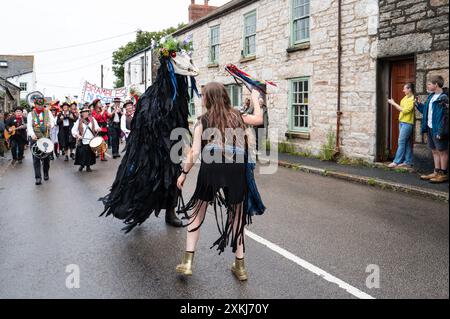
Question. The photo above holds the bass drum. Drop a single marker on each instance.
(98, 145)
(42, 148)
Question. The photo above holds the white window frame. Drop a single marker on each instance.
(298, 99)
(23, 86)
(306, 17)
(249, 34)
(231, 90)
(214, 44)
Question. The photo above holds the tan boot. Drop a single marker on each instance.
(185, 268)
(239, 271)
(440, 178)
(429, 177)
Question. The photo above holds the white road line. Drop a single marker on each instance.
(310, 267)
(107, 155)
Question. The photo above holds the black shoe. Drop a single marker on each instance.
(72, 156)
(38, 181)
(81, 168)
(46, 177)
(88, 169)
(66, 159)
(104, 160)
(19, 161)
(172, 219)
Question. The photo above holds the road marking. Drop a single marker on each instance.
(107, 155)
(310, 267)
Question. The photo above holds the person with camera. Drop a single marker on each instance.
(65, 122)
(114, 126)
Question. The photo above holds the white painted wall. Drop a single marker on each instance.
(29, 78)
(134, 71)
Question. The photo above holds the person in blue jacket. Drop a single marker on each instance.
(435, 125)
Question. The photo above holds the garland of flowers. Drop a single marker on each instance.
(169, 46)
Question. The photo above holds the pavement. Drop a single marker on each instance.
(319, 239)
(373, 175)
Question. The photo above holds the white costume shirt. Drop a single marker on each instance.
(30, 123)
(87, 134)
(116, 116)
(123, 126)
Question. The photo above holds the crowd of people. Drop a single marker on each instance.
(70, 129)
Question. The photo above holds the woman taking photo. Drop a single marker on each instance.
(222, 180)
(404, 156)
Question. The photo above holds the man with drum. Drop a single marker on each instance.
(40, 122)
(84, 130)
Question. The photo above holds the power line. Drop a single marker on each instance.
(80, 58)
(76, 45)
(77, 68)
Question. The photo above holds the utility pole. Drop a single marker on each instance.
(101, 81)
(145, 69)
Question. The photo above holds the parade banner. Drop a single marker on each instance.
(91, 92)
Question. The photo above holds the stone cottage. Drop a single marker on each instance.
(329, 59)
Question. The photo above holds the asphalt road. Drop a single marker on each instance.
(316, 240)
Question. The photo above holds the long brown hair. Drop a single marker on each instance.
(220, 114)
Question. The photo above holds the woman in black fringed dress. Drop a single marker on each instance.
(222, 180)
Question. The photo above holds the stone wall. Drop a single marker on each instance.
(418, 27)
(317, 60)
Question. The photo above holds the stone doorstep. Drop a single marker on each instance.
(369, 181)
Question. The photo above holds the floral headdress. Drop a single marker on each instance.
(169, 46)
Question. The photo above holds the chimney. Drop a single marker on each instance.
(198, 11)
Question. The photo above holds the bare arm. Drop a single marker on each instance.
(257, 118)
(192, 155)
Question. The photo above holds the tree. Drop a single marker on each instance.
(143, 40)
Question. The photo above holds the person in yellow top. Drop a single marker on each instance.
(404, 156)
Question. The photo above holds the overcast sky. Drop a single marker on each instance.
(45, 24)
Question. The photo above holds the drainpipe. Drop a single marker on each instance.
(337, 150)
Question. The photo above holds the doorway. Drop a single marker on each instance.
(401, 72)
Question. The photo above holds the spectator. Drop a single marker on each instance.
(404, 156)
(435, 125)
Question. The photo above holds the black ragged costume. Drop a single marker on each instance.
(147, 176)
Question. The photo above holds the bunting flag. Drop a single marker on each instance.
(249, 81)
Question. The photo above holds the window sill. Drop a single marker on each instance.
(247, 59)
(299, 47)
(213, 65)
(298, 135)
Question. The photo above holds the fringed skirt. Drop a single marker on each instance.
(222, 186)
(84, 156)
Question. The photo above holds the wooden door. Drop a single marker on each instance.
(402, 72)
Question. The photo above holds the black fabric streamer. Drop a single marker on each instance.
(146, 179)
